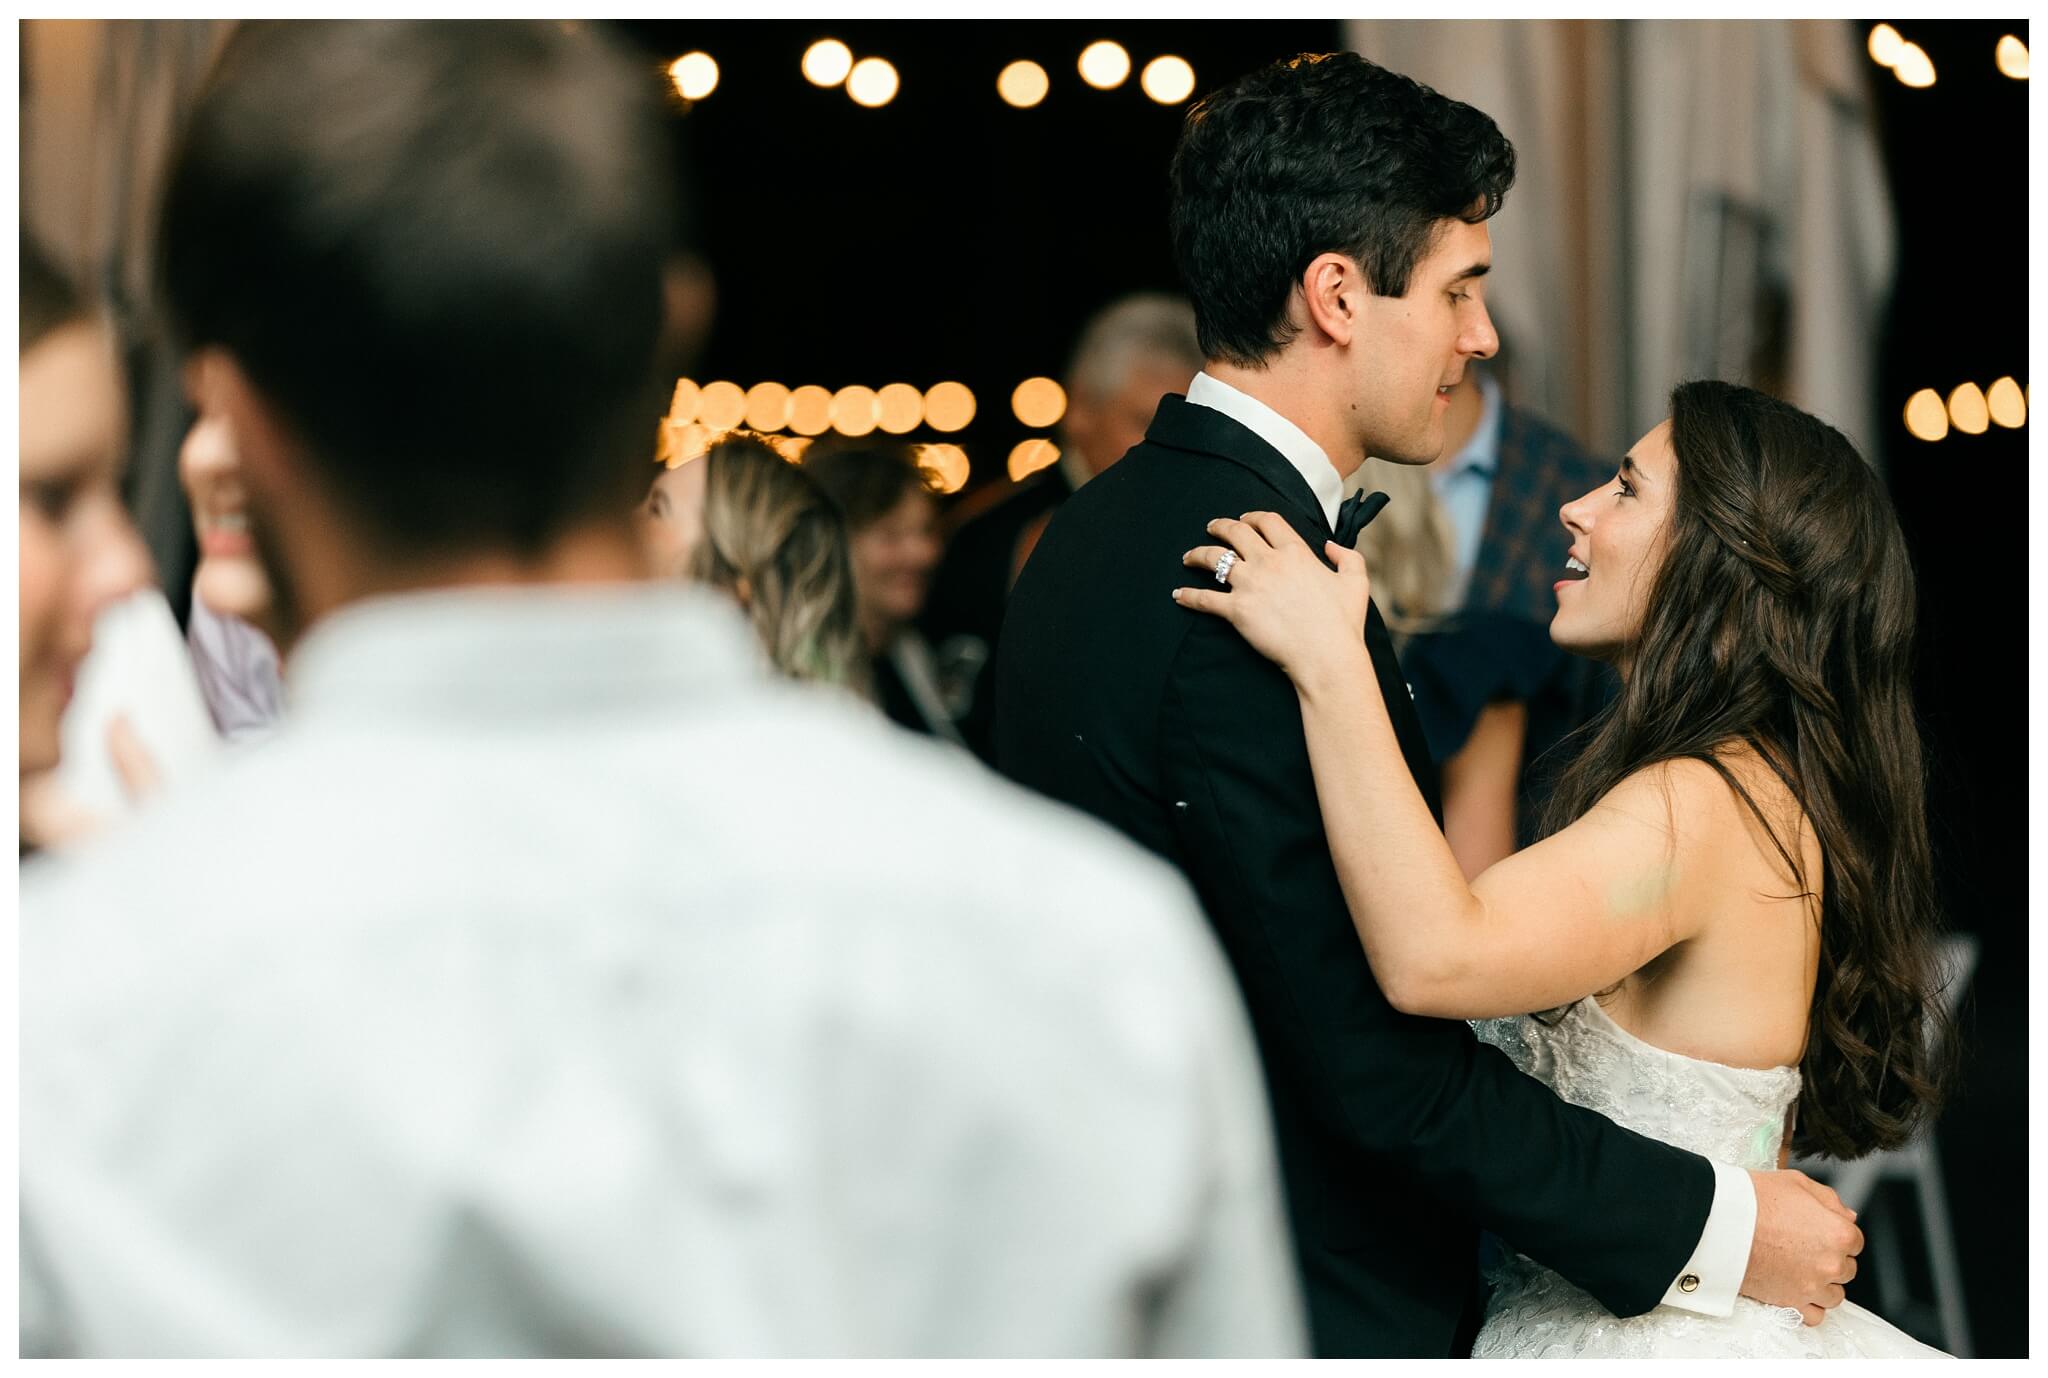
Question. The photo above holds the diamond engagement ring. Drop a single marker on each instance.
(1223, 564)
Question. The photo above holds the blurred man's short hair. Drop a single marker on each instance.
(1146, 326)
(437, 249)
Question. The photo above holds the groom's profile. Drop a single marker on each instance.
(1329, 219)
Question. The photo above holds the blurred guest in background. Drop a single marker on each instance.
(570, 994)
(1470, 548)
(79, 552)
(232, 631)
(891, 517)
(1131, 353)
(743, 519)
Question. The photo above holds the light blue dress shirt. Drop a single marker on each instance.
(1464, 485)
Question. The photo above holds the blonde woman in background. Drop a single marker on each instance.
(742, 519)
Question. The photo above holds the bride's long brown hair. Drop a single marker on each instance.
(1783, 618)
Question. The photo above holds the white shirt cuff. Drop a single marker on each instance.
(1712, 1276)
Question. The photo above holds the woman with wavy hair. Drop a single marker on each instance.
(1729, 922)
(743, 519)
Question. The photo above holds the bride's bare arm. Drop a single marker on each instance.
(1563, 919)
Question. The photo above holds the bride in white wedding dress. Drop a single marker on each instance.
(1727, 930)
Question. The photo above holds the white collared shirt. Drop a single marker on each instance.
(1716, 1267)
(556, 982)
(1290, 440)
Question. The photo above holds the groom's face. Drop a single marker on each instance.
(1413, 348)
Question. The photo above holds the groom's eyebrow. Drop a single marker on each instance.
(1476, 270)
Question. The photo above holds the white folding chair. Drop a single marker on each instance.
(1857, 1183)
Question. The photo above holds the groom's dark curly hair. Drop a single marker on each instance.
(1321, 153)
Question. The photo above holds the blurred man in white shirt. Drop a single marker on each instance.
(568, 992)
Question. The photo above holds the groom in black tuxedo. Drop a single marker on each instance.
(1329, 218)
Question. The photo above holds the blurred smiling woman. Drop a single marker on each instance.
(78, 550)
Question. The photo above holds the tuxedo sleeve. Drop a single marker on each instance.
(1405, 1100)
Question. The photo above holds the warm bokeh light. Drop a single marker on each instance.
(810, 410)
(2008, 405)
(1926, 418)
(872, 82)
(854, 410)
(722, 406)
(790, 447)
(1030, 456)
(1168, 80)
(682, 406)
(2012, 57)
(767, 407)
(899, 408)
(1914, 67)
(1104, 65)
(695, 75)
(1023, 84)
(1885, 44)
(947, 465)
(1967, 410)
(827, 62)
(1039, 402)
(685, 443)
(948, 407)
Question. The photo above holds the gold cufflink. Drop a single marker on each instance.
(1689, 1283)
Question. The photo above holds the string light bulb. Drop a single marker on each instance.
(947, 465)
(767, 407)
(683, 403)
(873, 82)
(1926, 418)
(1885, 44)
(695, 75)
(1168, 80)
(1968, 411)
(810, 410)
(2012, 57)
(1914, 67)
(948, 407)
(854, 410)
(1030, 456)
(722, 406)
(827, 62)
(2007, 404)
(1039, 402)
(1104, 65)
(899, 408)
(1023, 84)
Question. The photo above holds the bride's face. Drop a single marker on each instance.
(1618, 534)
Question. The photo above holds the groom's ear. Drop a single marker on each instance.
(1333, 294)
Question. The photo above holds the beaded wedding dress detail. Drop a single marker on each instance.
(1734, 1115)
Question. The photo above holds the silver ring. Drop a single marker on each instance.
(1223, 564)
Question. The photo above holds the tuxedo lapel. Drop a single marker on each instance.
(1183, 425)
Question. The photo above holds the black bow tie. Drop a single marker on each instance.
(1356, 514)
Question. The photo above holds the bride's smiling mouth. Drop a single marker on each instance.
(1575, 571)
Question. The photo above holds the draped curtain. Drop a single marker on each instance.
(1694, 198)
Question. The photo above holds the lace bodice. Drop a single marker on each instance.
(1733, 1115)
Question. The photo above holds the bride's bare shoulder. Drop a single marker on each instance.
(1712, 807)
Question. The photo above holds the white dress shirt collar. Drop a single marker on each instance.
(559, 648)
(1290, 440)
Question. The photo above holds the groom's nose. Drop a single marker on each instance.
(1478, 339)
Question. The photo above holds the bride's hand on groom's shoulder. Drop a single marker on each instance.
(1294, 609)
